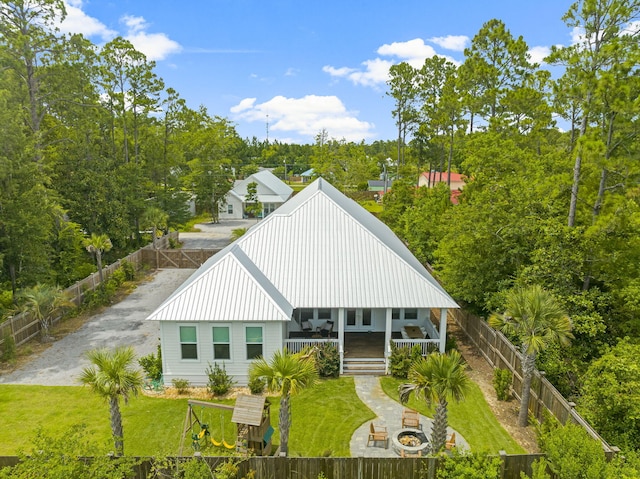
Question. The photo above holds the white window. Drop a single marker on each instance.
(189, 342)
(395, 313)
(221, 343)
(410, 314)
(229, 209)
(253, 337)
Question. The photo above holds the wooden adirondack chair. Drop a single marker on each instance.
(378, 433)
(411, 418)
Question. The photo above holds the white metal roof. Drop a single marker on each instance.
(270, 188)
(318, 250)
(228, 287)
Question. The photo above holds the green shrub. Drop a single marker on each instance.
(256, 385)
(8, 348)
(182, 385)
(469, 466)
(129, 270)
(401, 359)
(219, 381)
(328, 360)
(226, 470)
(151, 364)
(195, 468)
(118, 276)
(502, 383)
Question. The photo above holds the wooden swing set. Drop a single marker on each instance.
(251, 414)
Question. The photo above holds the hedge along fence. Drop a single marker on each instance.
(24, 327)
(334, 467)
(501, 354)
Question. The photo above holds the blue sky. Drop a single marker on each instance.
(303, 66)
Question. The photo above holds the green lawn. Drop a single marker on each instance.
(472, 418)
(153, 426)
(323, 419)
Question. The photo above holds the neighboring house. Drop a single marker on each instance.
(307, 176)
(272, 192)
(456, 184)
(319, 264)
(379, 185)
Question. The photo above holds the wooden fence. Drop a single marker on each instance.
(337, 467)
(23, 326)
(501, 354)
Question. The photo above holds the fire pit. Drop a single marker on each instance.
(411, 441)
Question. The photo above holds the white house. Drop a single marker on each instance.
(319, 264)
(271, 192)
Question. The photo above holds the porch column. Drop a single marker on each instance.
(443, 329)
(341, 320)
(387, 338)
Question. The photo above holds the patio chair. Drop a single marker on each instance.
(307, 327)
(451, 442)
(378, 433)
(411, 418)
(326, 329)
(404, 453)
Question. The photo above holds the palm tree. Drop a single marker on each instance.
(44, 302)
(96, 245)
(437, 379)
(156, 219)
(286, 374)
(113, 377)
(536, 318)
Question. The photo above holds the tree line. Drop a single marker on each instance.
(552, 193)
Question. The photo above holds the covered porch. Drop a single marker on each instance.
(367, 332)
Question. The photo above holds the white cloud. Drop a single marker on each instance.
(305, 116)
(538, 54)
(77, 21)
(413, 51)
(245, 104)
(376, 72)
(457, 43)
(156, 46)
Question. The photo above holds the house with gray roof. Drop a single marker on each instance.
(271, 193)
(318, 269)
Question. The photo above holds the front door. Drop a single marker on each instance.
(358, 319)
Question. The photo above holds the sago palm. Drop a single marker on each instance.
(287, 374)
(536, 318)
(113, 377)
(437, 379)
(44, 302)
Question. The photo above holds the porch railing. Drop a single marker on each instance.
(427, 346)
(296, 345)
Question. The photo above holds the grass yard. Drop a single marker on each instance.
(472, 418)
(153, 426)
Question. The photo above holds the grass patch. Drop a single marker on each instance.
(153, 426)
(472, 418)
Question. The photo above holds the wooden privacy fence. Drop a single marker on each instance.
(336, 467)
(23, 327)
(501, 354)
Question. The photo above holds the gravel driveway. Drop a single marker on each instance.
(121, 324)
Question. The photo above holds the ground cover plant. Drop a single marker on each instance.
(472, 418)
(324, 419)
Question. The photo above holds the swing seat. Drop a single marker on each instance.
(215, 443)
(227, 445)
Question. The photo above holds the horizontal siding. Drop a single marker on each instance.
(195, 370)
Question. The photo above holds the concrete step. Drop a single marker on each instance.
(364, 366)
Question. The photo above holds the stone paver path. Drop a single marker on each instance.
(389, 414)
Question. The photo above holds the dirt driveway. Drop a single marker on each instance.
(121, 324)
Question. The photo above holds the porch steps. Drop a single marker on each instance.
(363, 366)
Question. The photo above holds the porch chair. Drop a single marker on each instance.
(451, 442)
(326, 329)
(411, 418)
(307, 327)
(378, 433)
